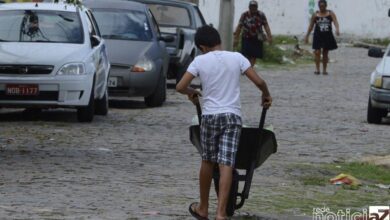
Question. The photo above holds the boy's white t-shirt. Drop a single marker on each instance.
(219, 73)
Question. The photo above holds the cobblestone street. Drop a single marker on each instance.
(138, 162)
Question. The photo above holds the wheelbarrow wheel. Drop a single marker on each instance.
(231, 205)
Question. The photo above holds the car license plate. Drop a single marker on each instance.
(22, 90)
(112, 81)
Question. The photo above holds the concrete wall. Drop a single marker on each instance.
(358, 18)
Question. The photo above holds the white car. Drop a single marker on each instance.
(52, 56)
(379, 100)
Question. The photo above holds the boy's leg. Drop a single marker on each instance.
(209, 142)
(205, 177)
(225, 182)
(228, 144)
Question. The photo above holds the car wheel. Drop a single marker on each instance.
(180, 72)
(85, 114)
(374, 115)
(159, 95)
(101, 105)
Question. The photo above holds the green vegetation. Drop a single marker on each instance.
(284, 39)
(282, 53)
(378, 41)
(363, 171)
(309, 187)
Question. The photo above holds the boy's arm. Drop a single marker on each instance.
(183, 87)
(262, 85)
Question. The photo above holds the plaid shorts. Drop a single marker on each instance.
(220, 135)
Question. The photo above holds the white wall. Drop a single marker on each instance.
(359, 18)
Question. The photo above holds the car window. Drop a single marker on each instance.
(154, 23)
(93, 23)
(199, 18)
(40, 26)
(122, 24)
(167, 15)
(91, 28)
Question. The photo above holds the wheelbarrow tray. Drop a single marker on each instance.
(255, 145)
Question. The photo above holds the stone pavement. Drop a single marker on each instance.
(138, 162)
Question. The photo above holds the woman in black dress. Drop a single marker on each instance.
(323, 38)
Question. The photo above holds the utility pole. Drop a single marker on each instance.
(226, 19)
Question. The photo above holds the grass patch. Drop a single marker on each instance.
(314, 180)
(307, 187)
(364, 171)
(281, 53)
(284, 39)
(378, 41)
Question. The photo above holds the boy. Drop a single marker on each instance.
(219, 72)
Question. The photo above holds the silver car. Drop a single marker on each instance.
(52, 55)
(136, 49)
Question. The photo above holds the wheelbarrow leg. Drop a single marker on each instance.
(247, 185)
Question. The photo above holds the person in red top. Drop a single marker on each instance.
(251, 25)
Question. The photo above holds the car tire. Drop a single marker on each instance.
(374, 115)
(159, 95)
(101, 105)
(85, 114)
(180, 73)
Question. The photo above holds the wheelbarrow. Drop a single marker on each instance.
(255, 146)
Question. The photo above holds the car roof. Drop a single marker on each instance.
(116, 4)
(170, 2)
(40, 6)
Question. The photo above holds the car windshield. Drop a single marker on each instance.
(121, 24)
(40, 26)
(167, 15)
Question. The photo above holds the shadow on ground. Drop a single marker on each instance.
(127, 104)
(55, 115)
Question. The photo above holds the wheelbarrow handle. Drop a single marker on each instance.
(262, 118)
(199, 112)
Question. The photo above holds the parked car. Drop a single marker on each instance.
(52, 56)
(379, 100)
(178, 19)
(136, 49)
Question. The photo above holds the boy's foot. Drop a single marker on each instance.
(325, 73)
(193, 211)
(317, 72)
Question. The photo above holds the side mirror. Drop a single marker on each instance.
(167, 38)
(95, 40)
(375, 52)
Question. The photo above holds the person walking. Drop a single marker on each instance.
(251, 25)
(323, 38)
(219, 72)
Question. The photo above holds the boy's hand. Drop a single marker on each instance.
(194, 98)
(266, 101)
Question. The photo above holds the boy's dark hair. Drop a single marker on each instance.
(207, 36)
